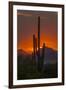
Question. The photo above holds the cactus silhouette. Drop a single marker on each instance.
(36, 49)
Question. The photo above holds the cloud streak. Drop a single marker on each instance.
(31, 15)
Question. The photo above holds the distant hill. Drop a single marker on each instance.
(22, 52)
(50, 55)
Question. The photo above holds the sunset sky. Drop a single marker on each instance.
(27, 25)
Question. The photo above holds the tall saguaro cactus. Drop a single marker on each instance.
(38, 43)
(36, 53)
(38, 37)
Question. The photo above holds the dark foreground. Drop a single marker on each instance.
(27, 69)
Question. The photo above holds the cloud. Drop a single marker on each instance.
(30, 15)
(23, 14)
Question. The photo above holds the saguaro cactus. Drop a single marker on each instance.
(43, 56)
(38, 43)
(38, 37)
(36, 53)
(34, 48)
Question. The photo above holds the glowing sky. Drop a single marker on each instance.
(27, 25)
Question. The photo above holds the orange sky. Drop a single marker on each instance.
(27, 26)
(28, 45)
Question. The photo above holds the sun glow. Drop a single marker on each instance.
(29, 49)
